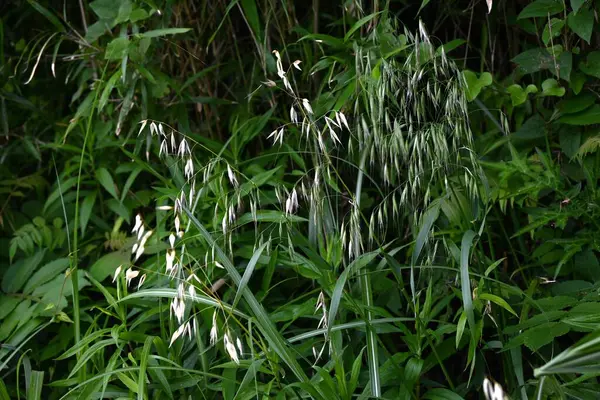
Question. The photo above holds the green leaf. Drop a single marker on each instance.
(577, 81)
(117, 49)
(139, 14)
(570, 140)
(107, 264)
(277, 343)
(533, 128)
(554, 26)
(144, 356)
(17, 275)
(86, 211)
(357, 25)
(45, 274)
(544, 334)
(576, 104)
(252, 18)
(336, 295)
(106, 9)
(592, 64)
(248, 272)
(541, 8)
(474, 84)
(533, 60)
(588, 117)
(47, 14)
(582, 24)
(164, 32)
(497, 300)
(108, 88)
(451, 45)
(465, 282)
(36, 383)
(550, 87)
(124, 12)
(518, 95)
(107, 182)
(576, 5)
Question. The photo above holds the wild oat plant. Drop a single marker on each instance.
(408, 134)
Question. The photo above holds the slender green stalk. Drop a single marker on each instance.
(367, 294)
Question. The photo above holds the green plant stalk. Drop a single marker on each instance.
(367, 294)
(74, 259)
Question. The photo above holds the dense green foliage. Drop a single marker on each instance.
(282, 199)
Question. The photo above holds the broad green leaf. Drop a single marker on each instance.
(591, 66)
(7, 304)
(106, 265)
(570, 140)
(588, 117)
(117, 49)
(106, 9)
(576, 5)
(577, 81)
(533, 128)
(576, 104)
(534, 60)
(474, 84)
(124, 11)
(518, 95)
(550, 87)
(552, 30)
(582, 24)
(541, 8)
(45, 274)
(106, 180)
(164, 32)
(544, 334)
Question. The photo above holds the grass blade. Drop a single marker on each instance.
(248, 273)
(35, 385)
(465, 283)
(266, 326)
